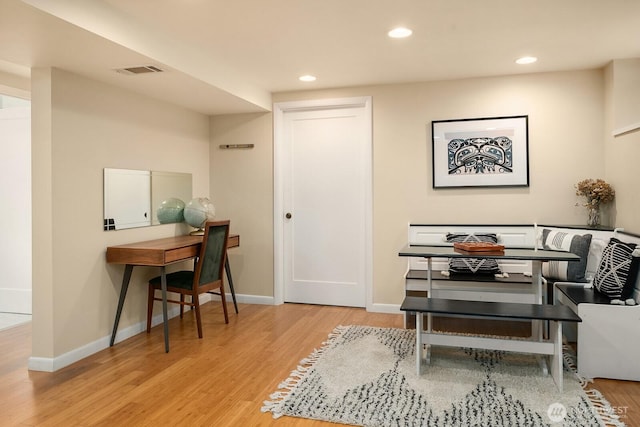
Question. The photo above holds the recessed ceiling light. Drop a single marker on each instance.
(400, 33)
(526, 60)
(307, 78)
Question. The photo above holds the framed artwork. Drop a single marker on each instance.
(485, 152)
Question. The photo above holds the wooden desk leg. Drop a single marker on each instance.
(165, 317)
(227, 269)
(128, 269)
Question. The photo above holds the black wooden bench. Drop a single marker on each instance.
(513, 287)
(582, 295)
(554, 314)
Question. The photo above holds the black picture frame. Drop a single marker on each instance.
(481, 152)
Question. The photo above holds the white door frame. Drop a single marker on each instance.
(279, 111)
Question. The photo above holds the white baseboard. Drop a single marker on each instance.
(70, 357)
(252, 299)
(15, 300)
(385, 308)
(53, 364)
(246, 299)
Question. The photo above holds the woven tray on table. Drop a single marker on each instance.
(478, 247)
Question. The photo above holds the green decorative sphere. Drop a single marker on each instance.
(198, 211)
(171, 210)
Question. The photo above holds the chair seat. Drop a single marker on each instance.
(179, 279)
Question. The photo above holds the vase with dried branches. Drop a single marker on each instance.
(596, 192)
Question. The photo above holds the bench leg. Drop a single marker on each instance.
(418, 343)
(555, 335)
(544, 366)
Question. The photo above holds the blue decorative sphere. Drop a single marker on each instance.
(198, 211)
(171, 210)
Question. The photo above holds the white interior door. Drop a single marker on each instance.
(325, 209)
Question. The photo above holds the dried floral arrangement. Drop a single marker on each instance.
(596, 191)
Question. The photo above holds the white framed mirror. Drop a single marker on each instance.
(132, 197)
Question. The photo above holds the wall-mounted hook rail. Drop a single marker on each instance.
(230, 146)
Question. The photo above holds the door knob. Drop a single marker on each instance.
(288, 215)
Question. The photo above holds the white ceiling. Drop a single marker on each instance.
(229, 56)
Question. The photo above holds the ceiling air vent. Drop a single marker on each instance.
(142, 69)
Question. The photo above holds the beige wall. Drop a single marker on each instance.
(80, 127)
(242, 190)
(42, 215)
(13, 85)
(566, 116)
(622, 152)
(626, 90)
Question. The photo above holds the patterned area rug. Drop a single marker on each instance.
(366, 376)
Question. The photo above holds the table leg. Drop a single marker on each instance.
(429, 292)
(165, 317)
(538, 326)
(128, 269)
(227, 269)
(536, 279)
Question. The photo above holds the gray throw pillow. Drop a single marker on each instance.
(566, 271)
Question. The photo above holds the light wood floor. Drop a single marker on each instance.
(219, 381)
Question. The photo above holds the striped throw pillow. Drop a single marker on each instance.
(567, 271)
(614, 268)
(472, 265)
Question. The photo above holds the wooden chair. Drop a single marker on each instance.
(208, 275)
